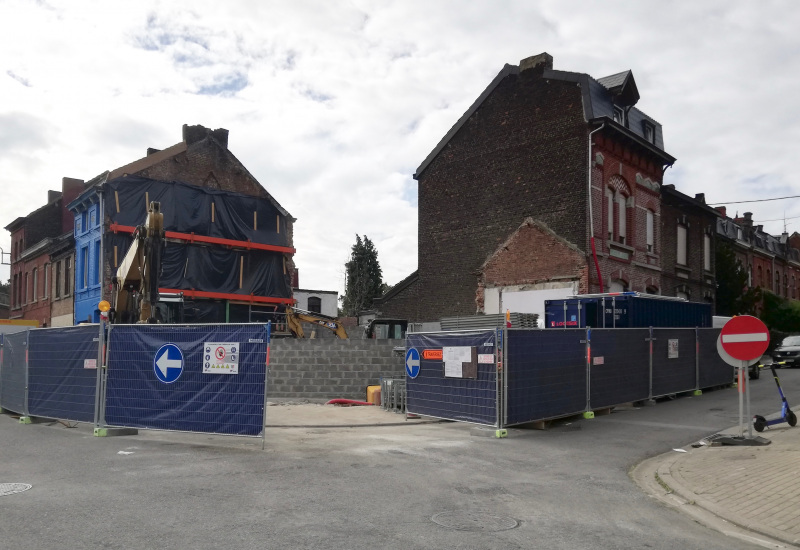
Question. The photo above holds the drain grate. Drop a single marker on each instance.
(13, 488)
(474, 521)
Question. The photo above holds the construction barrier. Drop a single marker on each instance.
(457, 376)
(14, 373)
(194, 378)
(547, 374)
(62, 372)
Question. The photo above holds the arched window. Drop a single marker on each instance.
(314, 304)
(618, 286)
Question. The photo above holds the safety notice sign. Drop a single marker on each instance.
(221, 358)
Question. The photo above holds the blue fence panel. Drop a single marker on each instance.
(713, 370)
(620, 366)
(546, 374)
(432, 393)
(61, 382)
(142, 392)
(12, 372)
(674, 360)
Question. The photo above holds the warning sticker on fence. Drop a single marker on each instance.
(221, 358)
(90, 363)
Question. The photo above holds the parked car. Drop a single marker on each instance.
(788, 352)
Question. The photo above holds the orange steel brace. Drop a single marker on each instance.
(192, 238)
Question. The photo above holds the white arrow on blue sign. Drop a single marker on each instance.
(168, 363)
(412, 363)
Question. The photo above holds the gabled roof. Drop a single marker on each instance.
(599, 98)
(622, 86)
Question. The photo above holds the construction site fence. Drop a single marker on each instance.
(213, 377)
(542, 374)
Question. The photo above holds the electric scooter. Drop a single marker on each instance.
(759, 422)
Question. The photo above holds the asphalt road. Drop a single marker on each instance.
(386, 487)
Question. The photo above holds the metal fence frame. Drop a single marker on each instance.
(497, 334)
(653, 332)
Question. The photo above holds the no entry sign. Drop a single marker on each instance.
(744, 338)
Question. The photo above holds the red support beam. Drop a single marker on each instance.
(192, 238)
(225, 296)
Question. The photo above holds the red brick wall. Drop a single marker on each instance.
(532, 255)
(625, 171)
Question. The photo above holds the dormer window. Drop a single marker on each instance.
(649, 132)
(619, 115)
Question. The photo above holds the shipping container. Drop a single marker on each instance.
(625, 310)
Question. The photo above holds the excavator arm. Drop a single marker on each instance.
(296, 317)
(135, 285)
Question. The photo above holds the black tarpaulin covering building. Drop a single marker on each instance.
(226, 252)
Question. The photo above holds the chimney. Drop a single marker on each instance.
(151, 150)
(194, 133)
(53, 196)
(220, 135)
(700, 197)
(542, 61)
(70, 189)
(748, 219)
(722, 210)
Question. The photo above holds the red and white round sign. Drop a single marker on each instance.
(744, 338)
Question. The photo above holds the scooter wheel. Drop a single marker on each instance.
(759, 423)
(792, 419)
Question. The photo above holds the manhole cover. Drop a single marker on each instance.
(13, 488)
(474, 521)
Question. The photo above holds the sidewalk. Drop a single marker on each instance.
(756, 488)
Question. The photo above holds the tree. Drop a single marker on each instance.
(780, 314)
(734, 297)
(364, 279)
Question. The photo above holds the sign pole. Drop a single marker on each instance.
(740, 380)
(747, 399)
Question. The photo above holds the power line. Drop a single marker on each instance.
(777, 219)
(755, 200)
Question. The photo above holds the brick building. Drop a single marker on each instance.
(229, 243)
(772, 263)
(549, 185)
(688, 237)
(32, 237)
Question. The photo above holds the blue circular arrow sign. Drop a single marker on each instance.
(412, 363)
(168, 363)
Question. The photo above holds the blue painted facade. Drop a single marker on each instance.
(88, 234)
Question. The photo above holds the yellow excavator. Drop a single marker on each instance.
(295, 318)
(135, 286)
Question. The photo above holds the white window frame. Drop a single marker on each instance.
(35, 290)
(651, 231)
(682, 238)
(707, 252)
(610, 202)
(622, 222)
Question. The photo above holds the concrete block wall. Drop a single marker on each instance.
(328, 369)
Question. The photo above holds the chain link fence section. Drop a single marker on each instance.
(545, 374)
(62, 372)
(674, 361)
(466, 398)
(203, 397)
(619, 366)
(13, 373)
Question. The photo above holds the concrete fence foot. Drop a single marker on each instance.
(114, 432)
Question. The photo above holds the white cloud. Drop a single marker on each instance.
(332, 106)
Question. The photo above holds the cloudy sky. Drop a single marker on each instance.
(333, 105)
